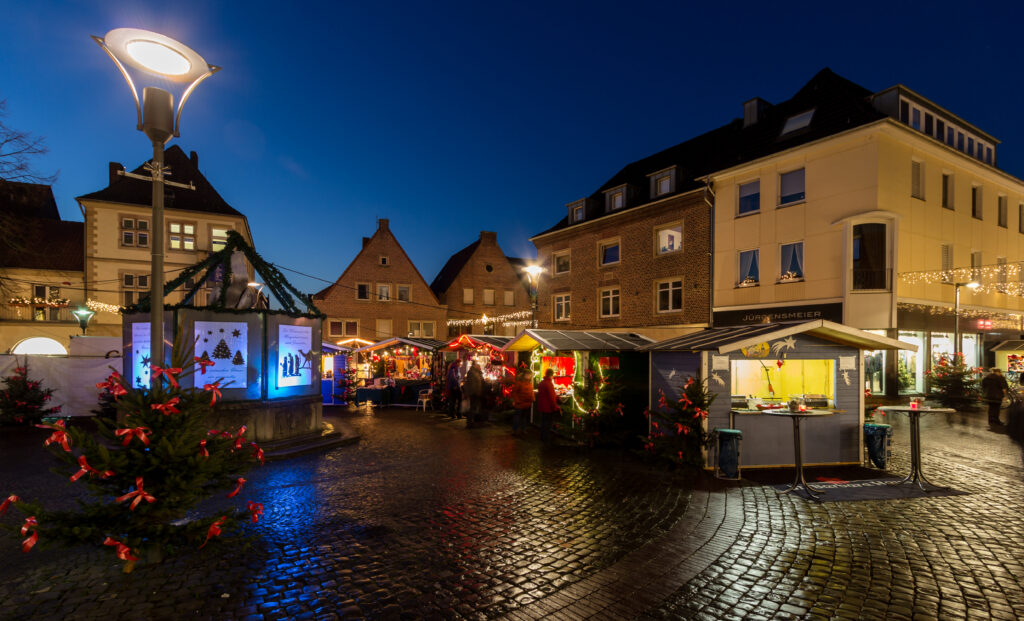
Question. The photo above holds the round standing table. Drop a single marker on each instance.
(798, 449)
(916, 475)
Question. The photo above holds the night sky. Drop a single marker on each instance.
(452, 118)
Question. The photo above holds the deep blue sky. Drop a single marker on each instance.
(452, 118)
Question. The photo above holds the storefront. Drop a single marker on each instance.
(753, 369)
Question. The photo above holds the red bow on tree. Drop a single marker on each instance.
(59, 435)
(85, 468)
(618, 409)
(167, 408)
(202, 449)
(661, 399)
(214, 391)
(258, 454)
(689, 382)
(699, 413)
(139, 495)
(168, 373)
(134, 432)
(203, 364)
(113, 385)
(685, 401)
(256, 509)
(30, 524)
(214, 529)
(7, 503)
(239, 439)
(123, 552)
(241, 482)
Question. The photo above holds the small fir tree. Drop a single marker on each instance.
(677, 430)
(953, 383)
(147, 473)
(238, 358)
(221, 351)
(23, 401)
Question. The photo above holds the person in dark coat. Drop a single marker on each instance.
(454, 392)
(473, 388)
(547, 405)
(994, 388)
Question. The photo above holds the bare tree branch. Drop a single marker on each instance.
(17, 149)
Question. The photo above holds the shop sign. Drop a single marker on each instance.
(780, 314)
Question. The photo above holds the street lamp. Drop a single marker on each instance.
(83, 315)
(533, 272)
(159, 59)
(956, 312)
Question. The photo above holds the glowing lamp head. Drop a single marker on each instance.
(973, 285)
(157, 57)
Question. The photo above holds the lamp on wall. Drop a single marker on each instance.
(533, 272)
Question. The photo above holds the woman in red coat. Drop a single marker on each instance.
(547, 405)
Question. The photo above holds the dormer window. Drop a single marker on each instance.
(616, 199)
(577, 211)
(663, 182)
(797, 121)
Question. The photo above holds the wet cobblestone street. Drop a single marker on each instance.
(424, 519)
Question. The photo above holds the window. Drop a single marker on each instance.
(578, 213)
(608, 252)
(362, 291)
(1002, 211)
(750, 197)
(403, 293)
(1020, 218)
(467, 296)
(976, 202)
(928, 123)
(383, 292)
(662, 182)
(45, 313)
(351, 327)
(610, 302)
(422, 329)
(510, 298)
(562, 307)
(976, 266)
(669, 239)
(133, 287)
(947, 190)
(797, 121)
(749, 271)
(940, 129)
(870, 261)
(383, 327)
(343, 327)
(917, 179)
(182, 236)
(1001, 274)
(947, 261)
(663, 185)
(489, 297)
(915, 119)
(669, 296)
(218, 238)
(562, 262)
(791, 187)
(134, 232)
(791, 262)
(615, 199)
(384, 260)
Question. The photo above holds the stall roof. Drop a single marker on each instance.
(429, 344)
(577, 340)
(725, 340)
(1009, 346)
(331, 348)
(496, 342)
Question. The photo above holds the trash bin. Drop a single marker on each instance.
(878, 441)
(727, 449)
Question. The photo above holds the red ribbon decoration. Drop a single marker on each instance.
(168, 373)
(30, 524)
(618, 409)
(214, 390)
(134, 432)
(241, 482)
(139, 495)
(214, 530)
(256, 509)
(85, 468)
(202, 449)
(59, 435)
(258, 454)
(123, 552)
(203, 364)
(7, 503)
(689, 382)
(167, 408)
(113, 385)
(238, 438)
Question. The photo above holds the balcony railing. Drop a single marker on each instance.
(9, 312)
(872, 279)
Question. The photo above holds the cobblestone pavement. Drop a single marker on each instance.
(424, 519)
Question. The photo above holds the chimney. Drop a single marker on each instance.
(382, 224)
(366, 240)
(752, 111)
(488, 237)
(113, 169)
(192, 155)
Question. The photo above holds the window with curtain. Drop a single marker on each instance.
(791, 187)
(792, 261)
(749, 268)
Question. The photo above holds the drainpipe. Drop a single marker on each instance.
(708, 191)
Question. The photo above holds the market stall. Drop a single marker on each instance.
(485, 350)
(1010, 358)
(753, 370)
(394, 370)
(335, 379)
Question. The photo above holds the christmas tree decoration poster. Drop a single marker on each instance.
(140, 355)
(295, 356)
(225, 344)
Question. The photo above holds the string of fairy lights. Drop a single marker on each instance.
(1005, 278)
(514, 319)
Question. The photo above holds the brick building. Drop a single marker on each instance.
(480, 280)
(380, 294)
(633, 256)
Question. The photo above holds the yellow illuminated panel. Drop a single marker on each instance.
(764, 379)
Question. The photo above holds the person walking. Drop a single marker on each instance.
(473, 388)
(453, 391)
(522, 399)
(994, 388)
(547, 405)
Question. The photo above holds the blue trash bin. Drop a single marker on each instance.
(727, 462)
(878, 440)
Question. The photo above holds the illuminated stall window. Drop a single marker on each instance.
(765, 379)
(911, 364)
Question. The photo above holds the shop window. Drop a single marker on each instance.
(874, 371)
(489, 297)
(669, 296)
(750, 197)
(561, 306)
(610, 302)
(791, 262)
(403, 293)
(362, 291)
(467, 295)
(910, 364)
(749, 268)
(794, 378)
(564, 368)
(670, 239)
(870, 265)
(791, 187)
(561, 260)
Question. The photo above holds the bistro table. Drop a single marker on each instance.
(798, 451)
(916, 474)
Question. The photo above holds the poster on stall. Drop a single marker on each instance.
(294, 356)
(226, 345)
(140, 354)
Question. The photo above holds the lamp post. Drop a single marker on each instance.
(83, 315)
(956, 312)
(533, 272)
(158, 59)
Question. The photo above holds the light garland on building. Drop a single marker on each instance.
(102, 307)
(980, 274)
(1003, 321)
(507, 319)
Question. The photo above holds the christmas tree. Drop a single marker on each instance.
(205, 356)
(147, 473)
(677, 427)
(238, 358)
(23, 401)
(221, 351)
(594, 414)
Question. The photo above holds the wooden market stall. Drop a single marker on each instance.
(335, 379)
(753, 369)
(394, 370)
(484, 349)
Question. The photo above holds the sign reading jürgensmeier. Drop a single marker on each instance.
(779, 314)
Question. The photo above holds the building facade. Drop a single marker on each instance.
(381, 294)
(479, 281)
